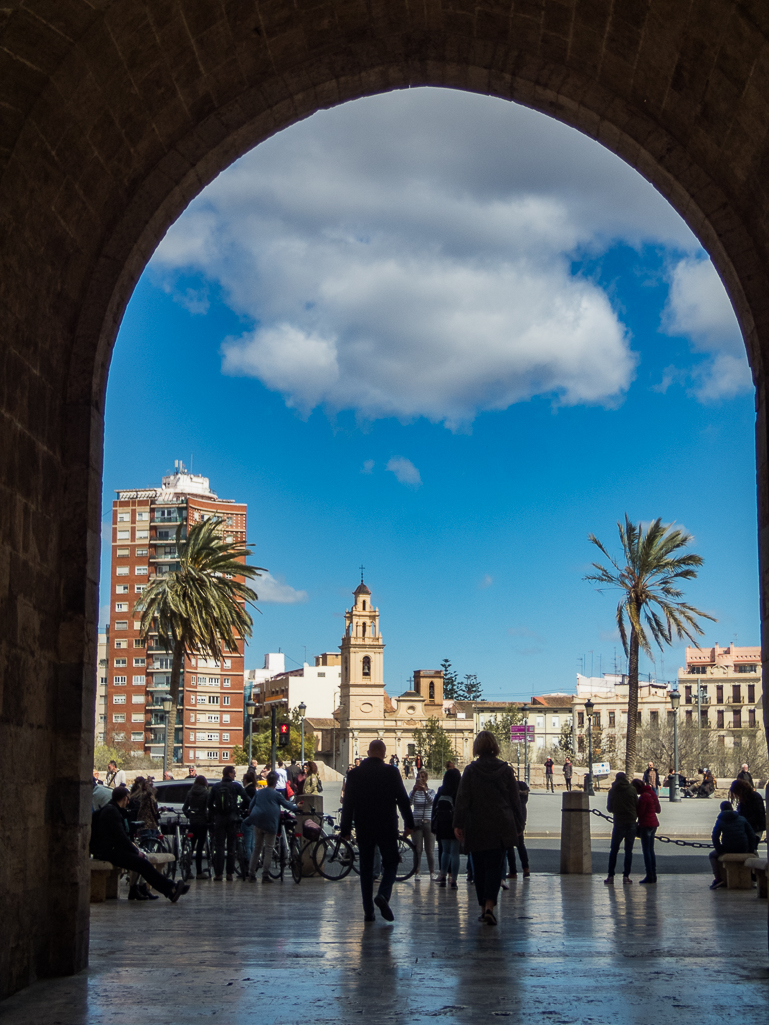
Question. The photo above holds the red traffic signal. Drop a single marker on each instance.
(284, 734)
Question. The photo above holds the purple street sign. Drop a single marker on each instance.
(520, 733)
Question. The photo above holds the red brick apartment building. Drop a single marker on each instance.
(209, 717)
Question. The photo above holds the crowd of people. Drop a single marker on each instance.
(481, 812)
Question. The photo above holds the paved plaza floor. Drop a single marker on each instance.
(568, 950)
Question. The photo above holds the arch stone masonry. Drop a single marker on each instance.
(115, 114)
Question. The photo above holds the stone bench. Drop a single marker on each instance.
(736, 871)
(759, 866)
(105, 876)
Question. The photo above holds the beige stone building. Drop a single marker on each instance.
(366, 712)
(725, 684)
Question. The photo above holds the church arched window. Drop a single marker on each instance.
(432, 691)
(364, 606)
(366, 665)
(364, 629)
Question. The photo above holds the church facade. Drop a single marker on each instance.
(368, 713)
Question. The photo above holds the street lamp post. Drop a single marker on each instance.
(250, 712)
(675, 701)
(166, 704)
(302, 708)
(589, 706)
(525, 711)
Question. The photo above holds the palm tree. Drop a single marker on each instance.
(650, 600)
(200, 607)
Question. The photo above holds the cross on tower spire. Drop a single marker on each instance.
(362, 567)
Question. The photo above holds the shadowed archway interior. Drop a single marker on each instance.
(116, 113)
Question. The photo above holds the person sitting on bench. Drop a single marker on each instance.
(732, 834)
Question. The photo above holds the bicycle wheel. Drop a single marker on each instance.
(278, 862)
(295, 860)
(407, 859)
(185, 861)
(333, 857)
(154, 845)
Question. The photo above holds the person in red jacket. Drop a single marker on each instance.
(648, 806)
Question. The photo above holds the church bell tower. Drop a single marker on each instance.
(362, 647)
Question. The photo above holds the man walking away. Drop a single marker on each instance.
(373, 796)
(264, 818)
(622, 802)
(732, 834)
(225, 803)
(568, 772)
(549, 778)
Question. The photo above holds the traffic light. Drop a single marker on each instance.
(284, 734)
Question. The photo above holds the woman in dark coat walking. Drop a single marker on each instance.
(443, 827)
(488, 819)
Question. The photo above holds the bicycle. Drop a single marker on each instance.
(287, 851)
(407, 856)
(332, 856)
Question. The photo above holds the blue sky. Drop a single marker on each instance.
(445, 337)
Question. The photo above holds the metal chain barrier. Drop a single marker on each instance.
(662, 839)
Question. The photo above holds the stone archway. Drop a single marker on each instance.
(115, 114)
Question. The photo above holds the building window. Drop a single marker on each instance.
(124, 535)
(321, 674)
(139, 681)
(580, 744)
(212, 736)
(121, 589)
(118, 699)
(720, 694)
(556, 722)
(118, 738)
(121, 644)
(698, 670)
(366, 665)
(746, 668)
(120, 681)
(431, 691)
(612, 718)
(225, 756)
(122, 553)
(737, 719)
(226, 738)
(119, 717)
(121, 606)
(736, 694)
(121, 571)
(213, 699)
(751, 717)
(138, 662)
(137, 717)
(225, 699)
(142, 516)
(139, 642)
(720, 719)
(121, 662)
(580, 718)
(124, 517)
(137, 699)
(139, 588)
(141, 571)
(212, 718)
(654, 718)
(704, 721)
(201, 699)
(142, 535)
(225, 681)
(225, 718)
(136, 737)
(540, 722)
(689, 715)
(687, 695)
(751, 693)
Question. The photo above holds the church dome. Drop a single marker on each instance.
(361, 589)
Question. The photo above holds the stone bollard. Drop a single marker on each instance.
(576, 851)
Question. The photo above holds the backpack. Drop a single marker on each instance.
(226, 802)
(444, 813)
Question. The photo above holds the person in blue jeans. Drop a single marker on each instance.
(648, 807)
(622, 802)
(442, 825)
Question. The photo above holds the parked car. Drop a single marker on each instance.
(171, 795)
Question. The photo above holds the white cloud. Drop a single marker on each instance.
(698, 308)
(410, 255)
(485, 581)
(405, 471)
(368, 466)
(274, 591)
